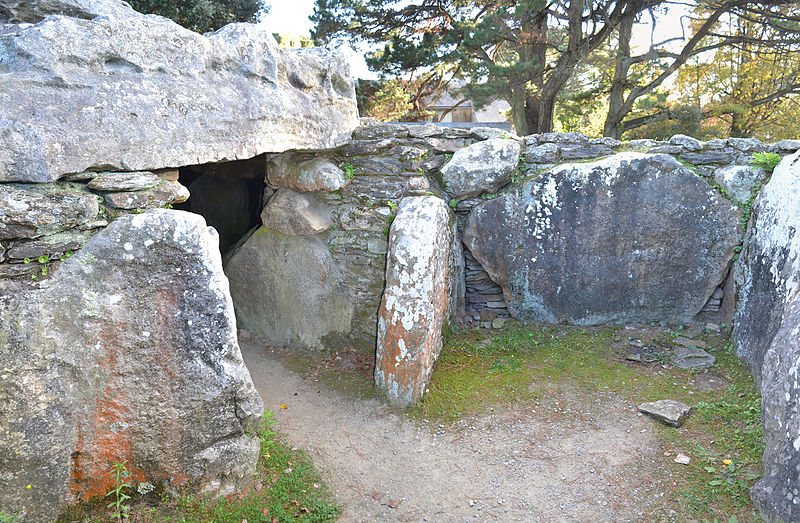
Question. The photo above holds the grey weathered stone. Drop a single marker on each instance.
(15, 270)
(31, 12)
(687, 142)
(776, 495)
(748, 145)
(164, 193)
(580, 152)
(305, 174)
(669, 412)
(30, 211)
(594, 243)
(140, 364)
(710, 157)
(480, 168)
(296, 214)
(487, 133)
(127, 181)
(788, 145)
(605, 140)
(545, 153)
(53, 245)
(692, 358)
(424, 131)
(739, 180)
(768, 272)
(563, 138)
(288, 290)
(153, 94)
(420, 296)
(376, 132)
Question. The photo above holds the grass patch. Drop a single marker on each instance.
(286, 487)
(479, 371)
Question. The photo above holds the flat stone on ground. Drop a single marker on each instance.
(692, 358)
(670, 412)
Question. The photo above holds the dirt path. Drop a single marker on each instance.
(595, 460)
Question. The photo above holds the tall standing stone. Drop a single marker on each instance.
(128, 353)
(768, 273)
(631, 238)
(776, 494)
(288, 290)
(420, 298)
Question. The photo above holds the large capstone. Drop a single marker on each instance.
(768, 273)
(776, 494)
(138, 362)
(145, 93)
(288, 290)
(421, 296)
(631, 238)
(481, 167)
(31, 12)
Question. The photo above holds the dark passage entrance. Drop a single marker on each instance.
(228, 195)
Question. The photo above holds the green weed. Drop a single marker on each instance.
(767, 161)
(119, 473)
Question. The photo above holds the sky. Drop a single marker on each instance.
(291, 16)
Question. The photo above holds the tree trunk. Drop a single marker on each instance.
(616, 97)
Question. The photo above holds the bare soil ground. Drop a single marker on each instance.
(572, 459)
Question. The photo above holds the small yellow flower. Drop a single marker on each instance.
(284, 406)
(726, 461)
(28, 486)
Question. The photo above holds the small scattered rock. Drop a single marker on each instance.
(394, 503)
(670, 412)
(637, 343)
(498, 323)
(377, 496)
(634, 357)
(692, 358)
(688, 342)
(682, 459)
(712, 327)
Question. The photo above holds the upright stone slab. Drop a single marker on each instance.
(128, 353)
(419, 299)
(768, 272)
(150, 94)
(631, 238)
(288, 290)
(776, 494)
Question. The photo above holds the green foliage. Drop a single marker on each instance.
(9, 518)
(767, 161)
(349, 171)
(453, 203)
(119, 473)
(292, 488)
(203, 15)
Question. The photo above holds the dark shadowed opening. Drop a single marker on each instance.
(228, 195)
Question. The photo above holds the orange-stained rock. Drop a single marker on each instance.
(422, 294)
(127, 353)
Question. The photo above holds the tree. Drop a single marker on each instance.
(529, 52)
(749, 87)
(763, 35)
(523, 51)
(203, 15)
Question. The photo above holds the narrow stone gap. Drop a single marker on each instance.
(228, 195)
